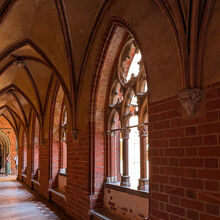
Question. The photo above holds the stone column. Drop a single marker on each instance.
(125, 179)
(143, 181)
(113, 156)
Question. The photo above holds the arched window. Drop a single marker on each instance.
(128, 120)
(25, 153)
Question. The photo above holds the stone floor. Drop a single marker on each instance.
(18, 203)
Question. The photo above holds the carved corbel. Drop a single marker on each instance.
(190, 99)
(143, 130)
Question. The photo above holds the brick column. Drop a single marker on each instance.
(125, 179)
(143, 181)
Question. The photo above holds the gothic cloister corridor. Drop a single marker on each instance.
(17, 203)
(110, 109)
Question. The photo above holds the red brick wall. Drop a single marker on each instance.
(63, 155)
(45, 168)
(60, 201)
(185, 159)
(77, 190)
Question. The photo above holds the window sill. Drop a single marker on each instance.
(58, 192)
(62, 174)
(116, 186)
(35, 181)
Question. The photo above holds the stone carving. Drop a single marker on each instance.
(190, 99)
(125, 61)
(143, 130)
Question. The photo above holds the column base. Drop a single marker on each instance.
(143, 184)
(125, 181)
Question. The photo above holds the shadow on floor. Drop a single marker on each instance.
(18, 202)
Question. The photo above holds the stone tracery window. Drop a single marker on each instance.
(128, 120)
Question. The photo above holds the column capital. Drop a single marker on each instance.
(125, 133)
(108, 133)
(143, 130)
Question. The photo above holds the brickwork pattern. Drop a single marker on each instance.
(185, 160)
(77, 190)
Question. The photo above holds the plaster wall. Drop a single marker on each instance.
(126, 205)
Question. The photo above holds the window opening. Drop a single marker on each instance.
(63, 166)
(128, 152)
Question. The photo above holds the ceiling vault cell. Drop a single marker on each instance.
(30, 65)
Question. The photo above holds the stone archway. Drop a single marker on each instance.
(4, 149)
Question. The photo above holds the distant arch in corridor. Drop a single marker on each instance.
(7, 144)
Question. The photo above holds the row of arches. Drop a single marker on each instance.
(32, 142)
(126, 112)
(79, 90)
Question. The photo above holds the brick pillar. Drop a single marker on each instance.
(29, 163)
(143, 181)
(44, 167)
(125, 179)
(20, 157)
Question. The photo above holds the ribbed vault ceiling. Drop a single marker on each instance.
(47, 43)
(36, 51)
